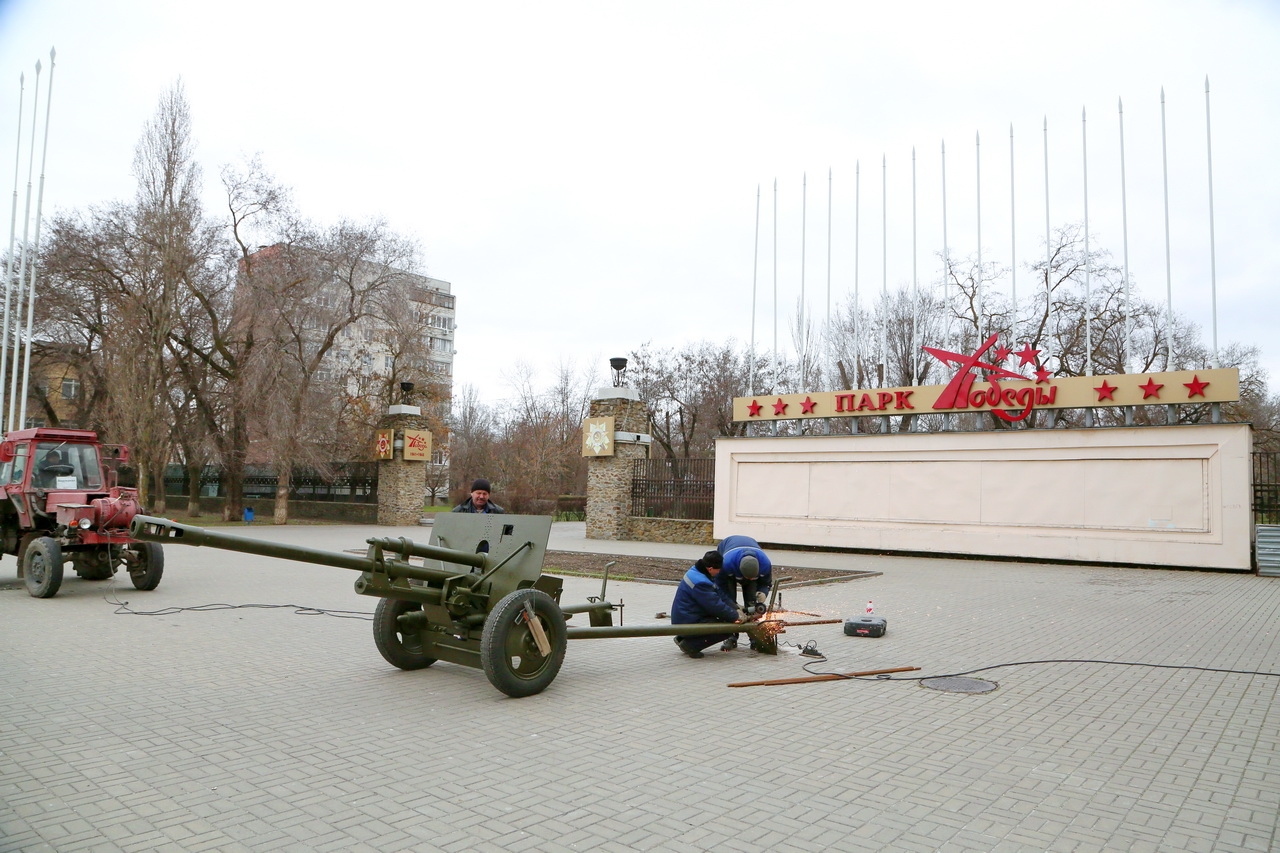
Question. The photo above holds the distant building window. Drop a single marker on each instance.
(388, 363)
(70, 389)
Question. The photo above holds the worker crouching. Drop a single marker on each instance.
(699, 600)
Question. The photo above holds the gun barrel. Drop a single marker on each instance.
(430, 552)
(152, 529)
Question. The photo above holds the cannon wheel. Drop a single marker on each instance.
(149, 567)
(43, 564)
(395, 646)
(508, 650)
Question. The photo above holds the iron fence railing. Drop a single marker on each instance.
(1266, 487)
(355, 482)
(673, 488)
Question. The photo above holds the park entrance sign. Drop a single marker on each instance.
(982, 383)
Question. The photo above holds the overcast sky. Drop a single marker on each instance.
(585, 174)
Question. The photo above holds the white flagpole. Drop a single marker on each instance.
(1213, 264)
(915, 279)
(977, 288)
(884, 268)
(1126, 361)
(22, 263)
(857, 241)
(755, 268)
(13, 236)
(829, 245)
(1048, 255)
(35, 248)
(775, 282)
(804, 232)
(1013, 242)
(1168, 265)
(946, 256)
(1088, 261)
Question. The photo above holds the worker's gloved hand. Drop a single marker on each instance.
(761, 598)
(743, 616)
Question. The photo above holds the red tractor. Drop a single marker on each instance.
(64, 500)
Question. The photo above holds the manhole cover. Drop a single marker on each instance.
(957, 684)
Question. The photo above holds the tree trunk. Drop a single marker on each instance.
(233, 462)
(284, 473)
(193, 489)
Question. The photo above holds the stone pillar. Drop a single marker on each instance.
(402, 483)
(609, 477)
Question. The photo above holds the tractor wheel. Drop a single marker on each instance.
(149, 566)
(395, 646)
(509, 648)
(92, 565)
(43, 565)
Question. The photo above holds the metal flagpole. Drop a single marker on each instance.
(1088, 261)
(1213, 264)
(828, 245)
(35, 248)
(804, 232)
(946, 263)
(977, 286)
(22, 263)
(775, 282)
(915, 280)
(755, 268)
(857, 301)
(1124, 230)
(1013, 242)
(884, 269)
(1168, 266)
(13, 236)
(1048, 255)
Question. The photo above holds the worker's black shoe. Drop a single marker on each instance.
(688, 650)
(729, 644)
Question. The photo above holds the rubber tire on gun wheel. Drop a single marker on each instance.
(508, 650)
(146, 573)
(396, 647)
(42, 564)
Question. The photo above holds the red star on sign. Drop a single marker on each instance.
(1105, 392)
(754, 408)
(806, 408)
(1195, 388)
(1026, 355)
(779, 408)
(1042, 375)
(1002, 353)
(1151, 389)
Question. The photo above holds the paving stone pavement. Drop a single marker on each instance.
(265, 729)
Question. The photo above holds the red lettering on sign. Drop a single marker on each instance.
(903, 401)
(1043, 399)
(841, 400)
(865, 403)
(886, 398)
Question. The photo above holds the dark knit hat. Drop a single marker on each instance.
(481, 485)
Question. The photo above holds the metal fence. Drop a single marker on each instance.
(673, 488)
(1266, 487)
(356, 482)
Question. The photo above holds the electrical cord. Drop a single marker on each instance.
(122, 608)
(806, 666)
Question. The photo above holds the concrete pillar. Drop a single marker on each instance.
(402, 484)
(609, 477)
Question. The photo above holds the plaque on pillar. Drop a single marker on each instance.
(385, 443)
(417, 445)
(597, 436)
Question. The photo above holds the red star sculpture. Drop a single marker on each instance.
(1105, 392)
(1042, 375)
(806, 408)
(1151, 389)
(1195, 388)
(754, 408)
(1002, 353)
(1026, 355)
(779, 408)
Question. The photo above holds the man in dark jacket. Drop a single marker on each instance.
(698, 599)
(745, 565)
(479, 499)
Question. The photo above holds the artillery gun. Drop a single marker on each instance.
(64, 500)
(474, 596)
